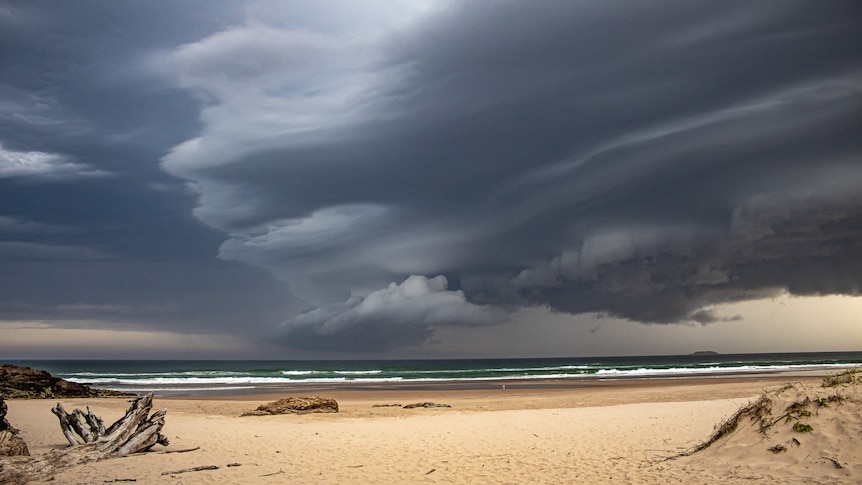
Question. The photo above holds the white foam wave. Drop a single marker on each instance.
(644, 371)
(144, 381)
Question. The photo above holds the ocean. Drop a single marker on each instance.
(199, 377)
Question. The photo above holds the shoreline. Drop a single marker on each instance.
(556, 394)
(574, 382)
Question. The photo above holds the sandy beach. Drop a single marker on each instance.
(617, 431)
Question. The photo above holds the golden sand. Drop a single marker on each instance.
(620, 432)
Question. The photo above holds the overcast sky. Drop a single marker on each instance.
(299, 179)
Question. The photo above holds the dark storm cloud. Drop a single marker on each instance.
(91, 231)
(70, 286)
(644, 160)
(404, 166)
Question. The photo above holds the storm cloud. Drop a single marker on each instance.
(407, 166)
(92, 232)
(413, 308)
(646, 161)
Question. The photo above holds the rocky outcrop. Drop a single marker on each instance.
(10, 443)
(296, 405)
(426, 405)
(24, 382)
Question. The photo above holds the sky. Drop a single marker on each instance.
(389, 179)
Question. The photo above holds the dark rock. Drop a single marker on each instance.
(426, 405)
(24, 382)
(296, 405)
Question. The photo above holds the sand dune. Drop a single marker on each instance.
(797, 432)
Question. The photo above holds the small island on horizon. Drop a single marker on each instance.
(705, 352)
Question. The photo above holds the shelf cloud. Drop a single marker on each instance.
(408, 166)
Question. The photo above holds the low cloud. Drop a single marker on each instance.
(12, 251)
(19, 227)
(806, 245)
(399, 315)
(42, 165)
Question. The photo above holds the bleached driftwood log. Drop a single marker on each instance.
(88, 427)
(135, 432)
(10, 443)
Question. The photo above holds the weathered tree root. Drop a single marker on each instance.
(91, 441)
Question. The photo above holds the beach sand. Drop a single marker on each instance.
(601, 432)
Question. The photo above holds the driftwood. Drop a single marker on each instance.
(193, 469)
(10, 443)
(88, 427)
(184, 450)
(4, 425)
(90, 441)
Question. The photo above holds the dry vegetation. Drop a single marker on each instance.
(797, 425)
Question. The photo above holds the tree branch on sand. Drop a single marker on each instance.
(90, 441)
